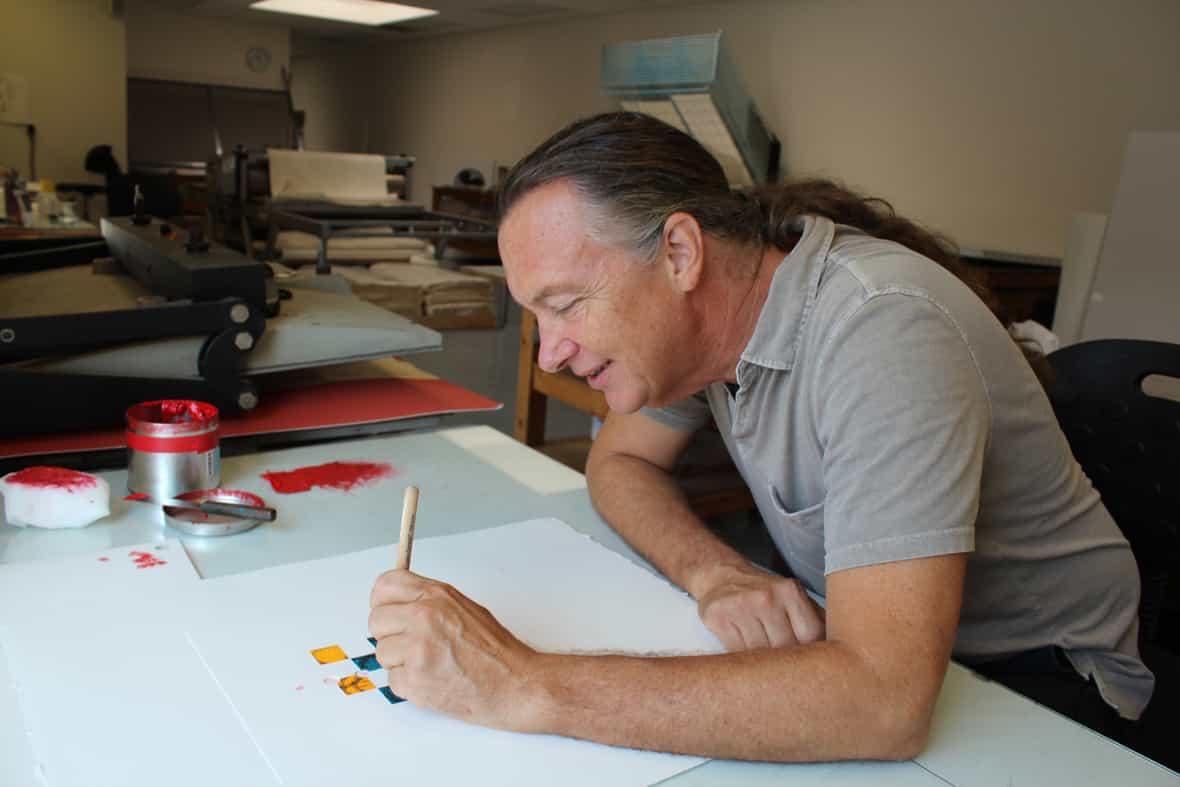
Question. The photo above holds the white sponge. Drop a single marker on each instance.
(54, 497)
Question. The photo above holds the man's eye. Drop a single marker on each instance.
(564, 308)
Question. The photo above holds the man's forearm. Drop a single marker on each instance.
(645, 506)
(813, 702)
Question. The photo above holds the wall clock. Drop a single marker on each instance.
(258, 59)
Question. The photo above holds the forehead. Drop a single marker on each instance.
(544, 241)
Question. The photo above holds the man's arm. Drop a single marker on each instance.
(629, 477)
(867, 692)
(630, 486)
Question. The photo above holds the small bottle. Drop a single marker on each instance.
(12, 206)
(138, 216)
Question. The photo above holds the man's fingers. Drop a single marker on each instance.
(389, 653)
(395, 679)
(779, 632)
(753, 633)
(398, 586)
(725, 631)
(385, 621)
(806, 617)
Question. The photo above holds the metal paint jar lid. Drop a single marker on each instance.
(199, 523)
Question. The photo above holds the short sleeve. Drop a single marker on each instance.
(686, 415)
(903, 416)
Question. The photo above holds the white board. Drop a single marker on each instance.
(551, 586)
(984, 736)
(1136, 286)
(1083, 245)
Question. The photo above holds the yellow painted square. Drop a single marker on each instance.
(355, 684)
(329, 654)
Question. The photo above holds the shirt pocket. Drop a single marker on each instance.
(800, 537)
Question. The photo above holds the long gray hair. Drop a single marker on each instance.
(634, 171)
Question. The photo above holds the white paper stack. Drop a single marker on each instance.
(343, 178)
(344, 247)
(421, 290)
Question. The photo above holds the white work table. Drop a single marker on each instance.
(474, 477)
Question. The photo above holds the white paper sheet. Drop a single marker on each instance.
(551, 586)
(132, 583)
(104, 687)
(124, 706)
(17, 768)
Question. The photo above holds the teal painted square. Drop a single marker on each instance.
(389, 695)
(368, 663)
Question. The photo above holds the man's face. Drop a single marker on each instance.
(607, 316)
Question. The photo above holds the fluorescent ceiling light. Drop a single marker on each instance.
(363, 12)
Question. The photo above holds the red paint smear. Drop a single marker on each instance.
(53, 478)
(146, 559)
(333, 475)
(137, 496)
(104, 559)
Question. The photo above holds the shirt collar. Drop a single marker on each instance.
(791, 295)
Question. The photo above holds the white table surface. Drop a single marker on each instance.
(476, 477)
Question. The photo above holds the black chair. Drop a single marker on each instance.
(1128, 443)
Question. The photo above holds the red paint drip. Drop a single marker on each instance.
(333, 475)
(137, 496)
(53, 478)
(146, 559)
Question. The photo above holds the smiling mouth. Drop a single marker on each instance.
(592, 376)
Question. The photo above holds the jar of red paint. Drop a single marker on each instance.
(172, 447)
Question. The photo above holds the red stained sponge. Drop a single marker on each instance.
(54, 497)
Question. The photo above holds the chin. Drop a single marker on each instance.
(624, 402)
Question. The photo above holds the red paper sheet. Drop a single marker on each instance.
(335, 404)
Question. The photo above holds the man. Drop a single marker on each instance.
(899, 447)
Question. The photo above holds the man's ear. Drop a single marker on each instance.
(683, 251)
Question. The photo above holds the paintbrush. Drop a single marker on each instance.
(239, 510)
(405, 543)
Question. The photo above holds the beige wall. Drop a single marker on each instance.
(331, 86)
(71, 53)
(205, 49)
(990, 120)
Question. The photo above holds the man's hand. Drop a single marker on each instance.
(749, 608)
(445, 652)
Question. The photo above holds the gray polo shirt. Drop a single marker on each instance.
(883, 414)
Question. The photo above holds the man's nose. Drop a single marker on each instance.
(555, 353)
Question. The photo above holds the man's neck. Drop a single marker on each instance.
(744, 289)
